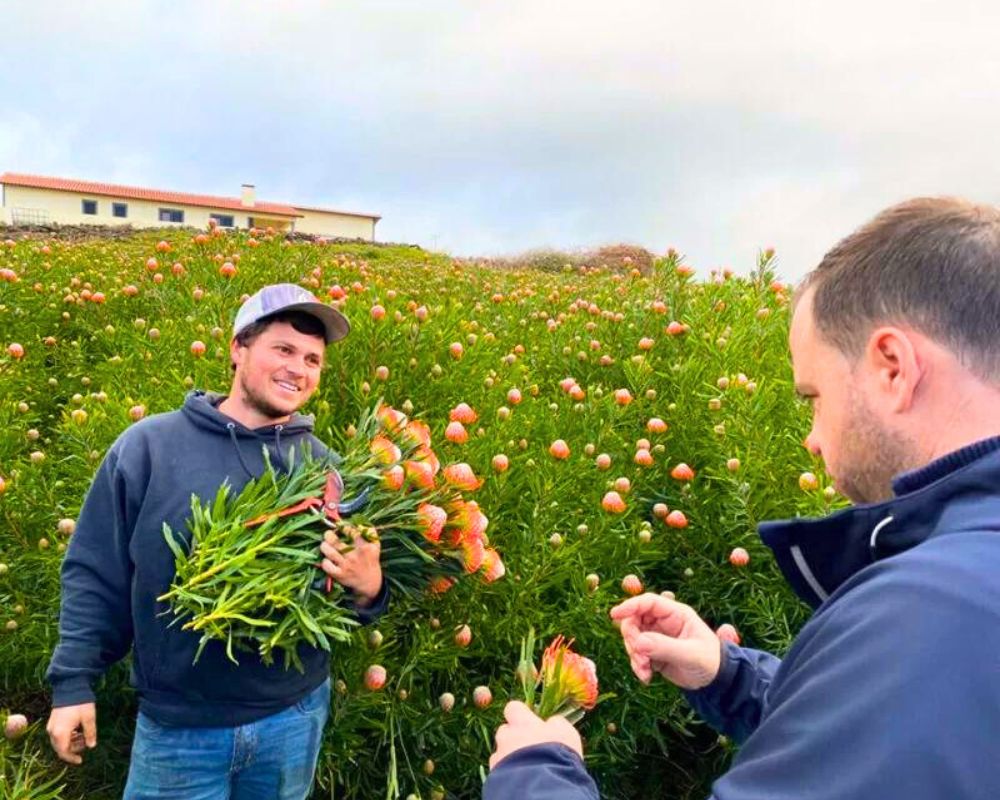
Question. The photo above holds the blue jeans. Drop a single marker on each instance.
(271, 759)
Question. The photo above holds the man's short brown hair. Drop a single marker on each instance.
(930, 263)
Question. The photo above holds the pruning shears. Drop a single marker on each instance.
(328, 506)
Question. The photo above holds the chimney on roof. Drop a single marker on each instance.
(248, 196)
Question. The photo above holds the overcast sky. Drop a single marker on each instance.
(494, 127)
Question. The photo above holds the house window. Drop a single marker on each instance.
(90, 207)
(171, 215)
(119, 210)
(224, 220)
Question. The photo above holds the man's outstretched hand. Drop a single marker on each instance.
(668, 637)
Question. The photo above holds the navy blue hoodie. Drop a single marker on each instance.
(891, 690)
(118, 563)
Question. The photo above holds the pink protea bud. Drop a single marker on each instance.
(482, 696)
(631, 585)
(656, 425)
(463, 413)
(462, 477)
(676, 519)
(375, 677)
(15, 726)
(446, 701)
(463, 636)
(559, 450)
(456, 433)
(739, 557)
(612, 502)
(682, 472)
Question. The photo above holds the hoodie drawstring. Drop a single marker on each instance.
(231, 427)
(277, 446)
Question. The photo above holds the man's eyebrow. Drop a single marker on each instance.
(804, 390)
(292, 345)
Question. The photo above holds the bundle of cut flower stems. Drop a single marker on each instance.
(247, 567)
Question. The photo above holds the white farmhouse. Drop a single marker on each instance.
(38, 200)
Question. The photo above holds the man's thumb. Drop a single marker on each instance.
(516, 712)
(90, 728)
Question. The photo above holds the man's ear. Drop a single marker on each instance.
(893, 356)
(236, 351)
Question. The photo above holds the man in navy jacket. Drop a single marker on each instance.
(892, 689)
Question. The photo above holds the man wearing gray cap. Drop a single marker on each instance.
(212, 729)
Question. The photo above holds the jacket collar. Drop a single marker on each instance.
(818, 555)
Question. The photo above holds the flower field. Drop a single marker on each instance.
(629, 429)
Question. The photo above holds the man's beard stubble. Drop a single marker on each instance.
(870, 456)
(259, 403)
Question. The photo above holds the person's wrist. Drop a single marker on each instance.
(365, 596)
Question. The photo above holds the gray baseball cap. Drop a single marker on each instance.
(291, 297)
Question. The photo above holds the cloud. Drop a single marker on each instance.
(715, 128)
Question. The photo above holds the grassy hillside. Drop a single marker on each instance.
(104, 326)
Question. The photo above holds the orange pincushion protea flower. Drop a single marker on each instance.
(418, 432)
(432, 518)
(391, 419)
(441, 584)
(393, 478)
(566, 685)
(573, 676)
(384, 450)
(466, 518)
(493, 568)
(419, 473)
(473, 549)
(424, 453)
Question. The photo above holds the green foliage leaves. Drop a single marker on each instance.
(523, 329)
